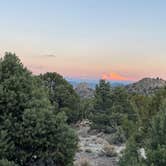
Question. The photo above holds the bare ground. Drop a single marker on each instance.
(94, 149)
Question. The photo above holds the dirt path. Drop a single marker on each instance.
(94, 149)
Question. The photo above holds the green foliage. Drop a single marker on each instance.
(102, 121)
(131, 155)
(86, 108)
(72, 115)
(113, 110)
(4, 162)
(48, 139)
(102, 103)
(102, 96)
(60, 91)
(118, 137)
(142, 106)
(150, 133)
(62, 95)
(6, 143)
(156, 142)
(30, 132)
(157, 101)
(34, 111)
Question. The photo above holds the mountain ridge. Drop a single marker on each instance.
(146, 86)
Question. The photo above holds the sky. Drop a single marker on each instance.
(109, 39)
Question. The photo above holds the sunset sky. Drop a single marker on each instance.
(110, 39)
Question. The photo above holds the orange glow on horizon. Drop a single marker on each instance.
(114, 77)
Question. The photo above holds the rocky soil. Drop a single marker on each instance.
(93, 148)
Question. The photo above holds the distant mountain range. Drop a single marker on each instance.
(146, 86)
(93, 82)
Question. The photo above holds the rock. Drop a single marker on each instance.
(83, 162)
(146, 86)
(84, 91)
(109, 151)
(95, 148)
(142, 153)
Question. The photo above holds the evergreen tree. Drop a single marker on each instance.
(30, 132)
(102, 104)
(131, 155)
(102, 96)
(62, 95)
(60, 91)
(4, 162)
(113, 111)
(156, 141)
(153, 141)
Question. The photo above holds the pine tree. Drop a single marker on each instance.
(62, 95)
(156, 142)
(31, 133)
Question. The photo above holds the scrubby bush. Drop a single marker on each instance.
(4, 162)
(151, 137)
(156, 142)
(117, 138)
(131, 155)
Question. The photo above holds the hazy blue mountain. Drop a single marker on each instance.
(93, 82)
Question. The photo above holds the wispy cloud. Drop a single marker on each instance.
(49, 55)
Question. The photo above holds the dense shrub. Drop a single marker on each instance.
(4, 162)
(113, 110)
(149, 135)
(117, 138)
(30, 132)
(62, 95)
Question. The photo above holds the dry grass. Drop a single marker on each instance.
(109, 151)
(83, 162)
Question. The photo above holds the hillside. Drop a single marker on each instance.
(146, 86)
(84, 90)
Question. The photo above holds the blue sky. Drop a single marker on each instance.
(88, 37)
